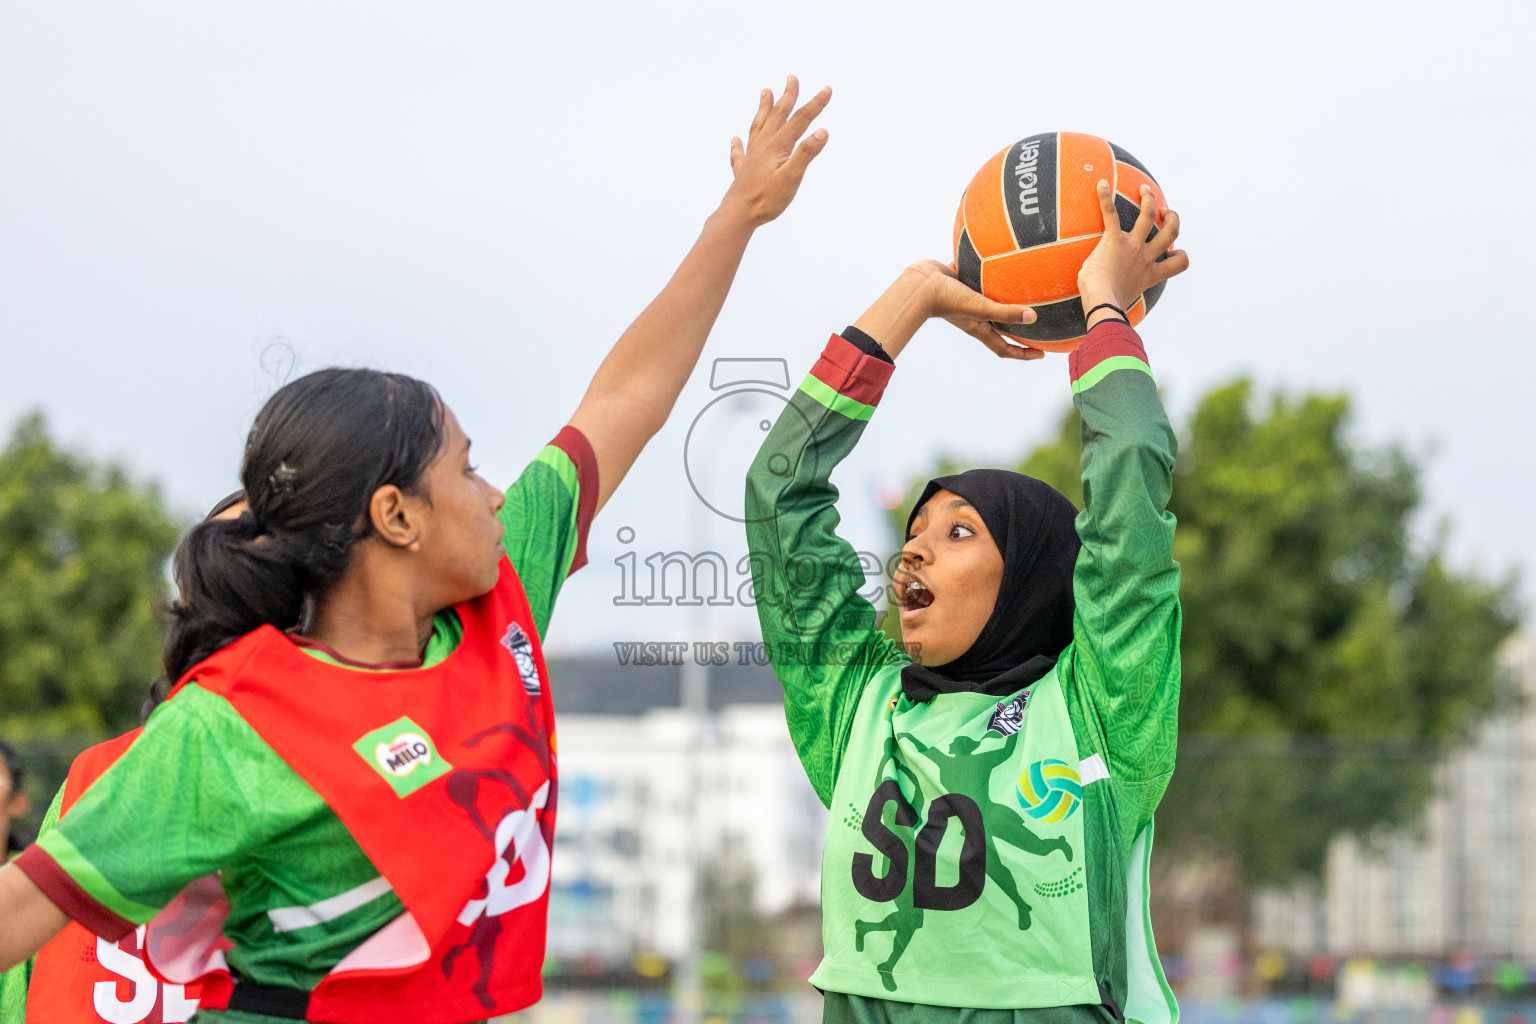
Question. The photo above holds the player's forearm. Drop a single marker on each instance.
(653, 358)
(1127, 461)
(1127, 620)
(819, 629)
(897, 314)
(31, 919)
(791, 500)
(635, 388)
(928, 289)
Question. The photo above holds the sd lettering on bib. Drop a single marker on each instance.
(135, 996)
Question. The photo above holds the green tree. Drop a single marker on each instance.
(83, 551)
(1329, 662)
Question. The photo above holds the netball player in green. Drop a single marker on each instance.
(993, 778)
(344, 811)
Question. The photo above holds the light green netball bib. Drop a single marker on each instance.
(955, 865)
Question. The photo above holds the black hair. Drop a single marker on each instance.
(18, 772)
(318, 450)
(161, 687)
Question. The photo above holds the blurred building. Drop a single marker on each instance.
(651, 794)
(1466, 880)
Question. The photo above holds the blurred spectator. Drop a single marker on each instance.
(14, 803)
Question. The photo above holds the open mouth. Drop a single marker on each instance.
(911, 592)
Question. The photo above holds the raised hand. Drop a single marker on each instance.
(1126, 263)
(637, 385)
(974, 313)
(770, 165)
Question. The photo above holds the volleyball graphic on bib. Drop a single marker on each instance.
(1049, 790)
(1029, 219)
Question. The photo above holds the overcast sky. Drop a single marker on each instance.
(198, 200)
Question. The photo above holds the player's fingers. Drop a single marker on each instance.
(1107, 207)
(787, 99)
(804, 153)
(1167, 235)
(801, 119)
(987, 336)
(764, 105)
(1146, 220)
(1021, 349)
(1001, 344)
(1176, 263)
(983, 308)
(737, 152)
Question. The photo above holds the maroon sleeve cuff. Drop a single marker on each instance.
(65, 893)
(864, 343)
(852, 373)
(1108, 338)
(575, 445)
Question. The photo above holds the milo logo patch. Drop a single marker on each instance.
(404, 755)
(407, 753)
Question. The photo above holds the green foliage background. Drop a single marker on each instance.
(83, 552)
(1328, 662)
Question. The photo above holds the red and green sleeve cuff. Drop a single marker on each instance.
(69, 896)
(1110, 346)
(847, 380)
(576, 446)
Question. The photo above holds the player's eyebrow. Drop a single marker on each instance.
(949, 506)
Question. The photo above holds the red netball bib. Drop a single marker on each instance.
(446, 778)
(81, 979)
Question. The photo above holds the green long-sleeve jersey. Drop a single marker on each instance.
(982, 852)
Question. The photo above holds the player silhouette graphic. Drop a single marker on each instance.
(964, 773)
(523, 833)
(907, 918)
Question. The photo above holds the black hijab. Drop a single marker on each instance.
(1032, 524)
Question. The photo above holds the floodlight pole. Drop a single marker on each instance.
(693, 697)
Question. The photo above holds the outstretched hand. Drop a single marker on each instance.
(637, 385)
(1126, 263)
(770, 166)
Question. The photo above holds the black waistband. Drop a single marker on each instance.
(272, 1000)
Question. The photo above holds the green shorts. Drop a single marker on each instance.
(845, 1009)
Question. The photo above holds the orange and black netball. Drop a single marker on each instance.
(1030, 218)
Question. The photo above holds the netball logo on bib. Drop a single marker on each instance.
(1008, 716)
(404, 755)
(517, 642)
(1049, 790)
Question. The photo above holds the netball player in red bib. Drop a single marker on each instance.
(344, 812)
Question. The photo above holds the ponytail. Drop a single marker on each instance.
(317, 452)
